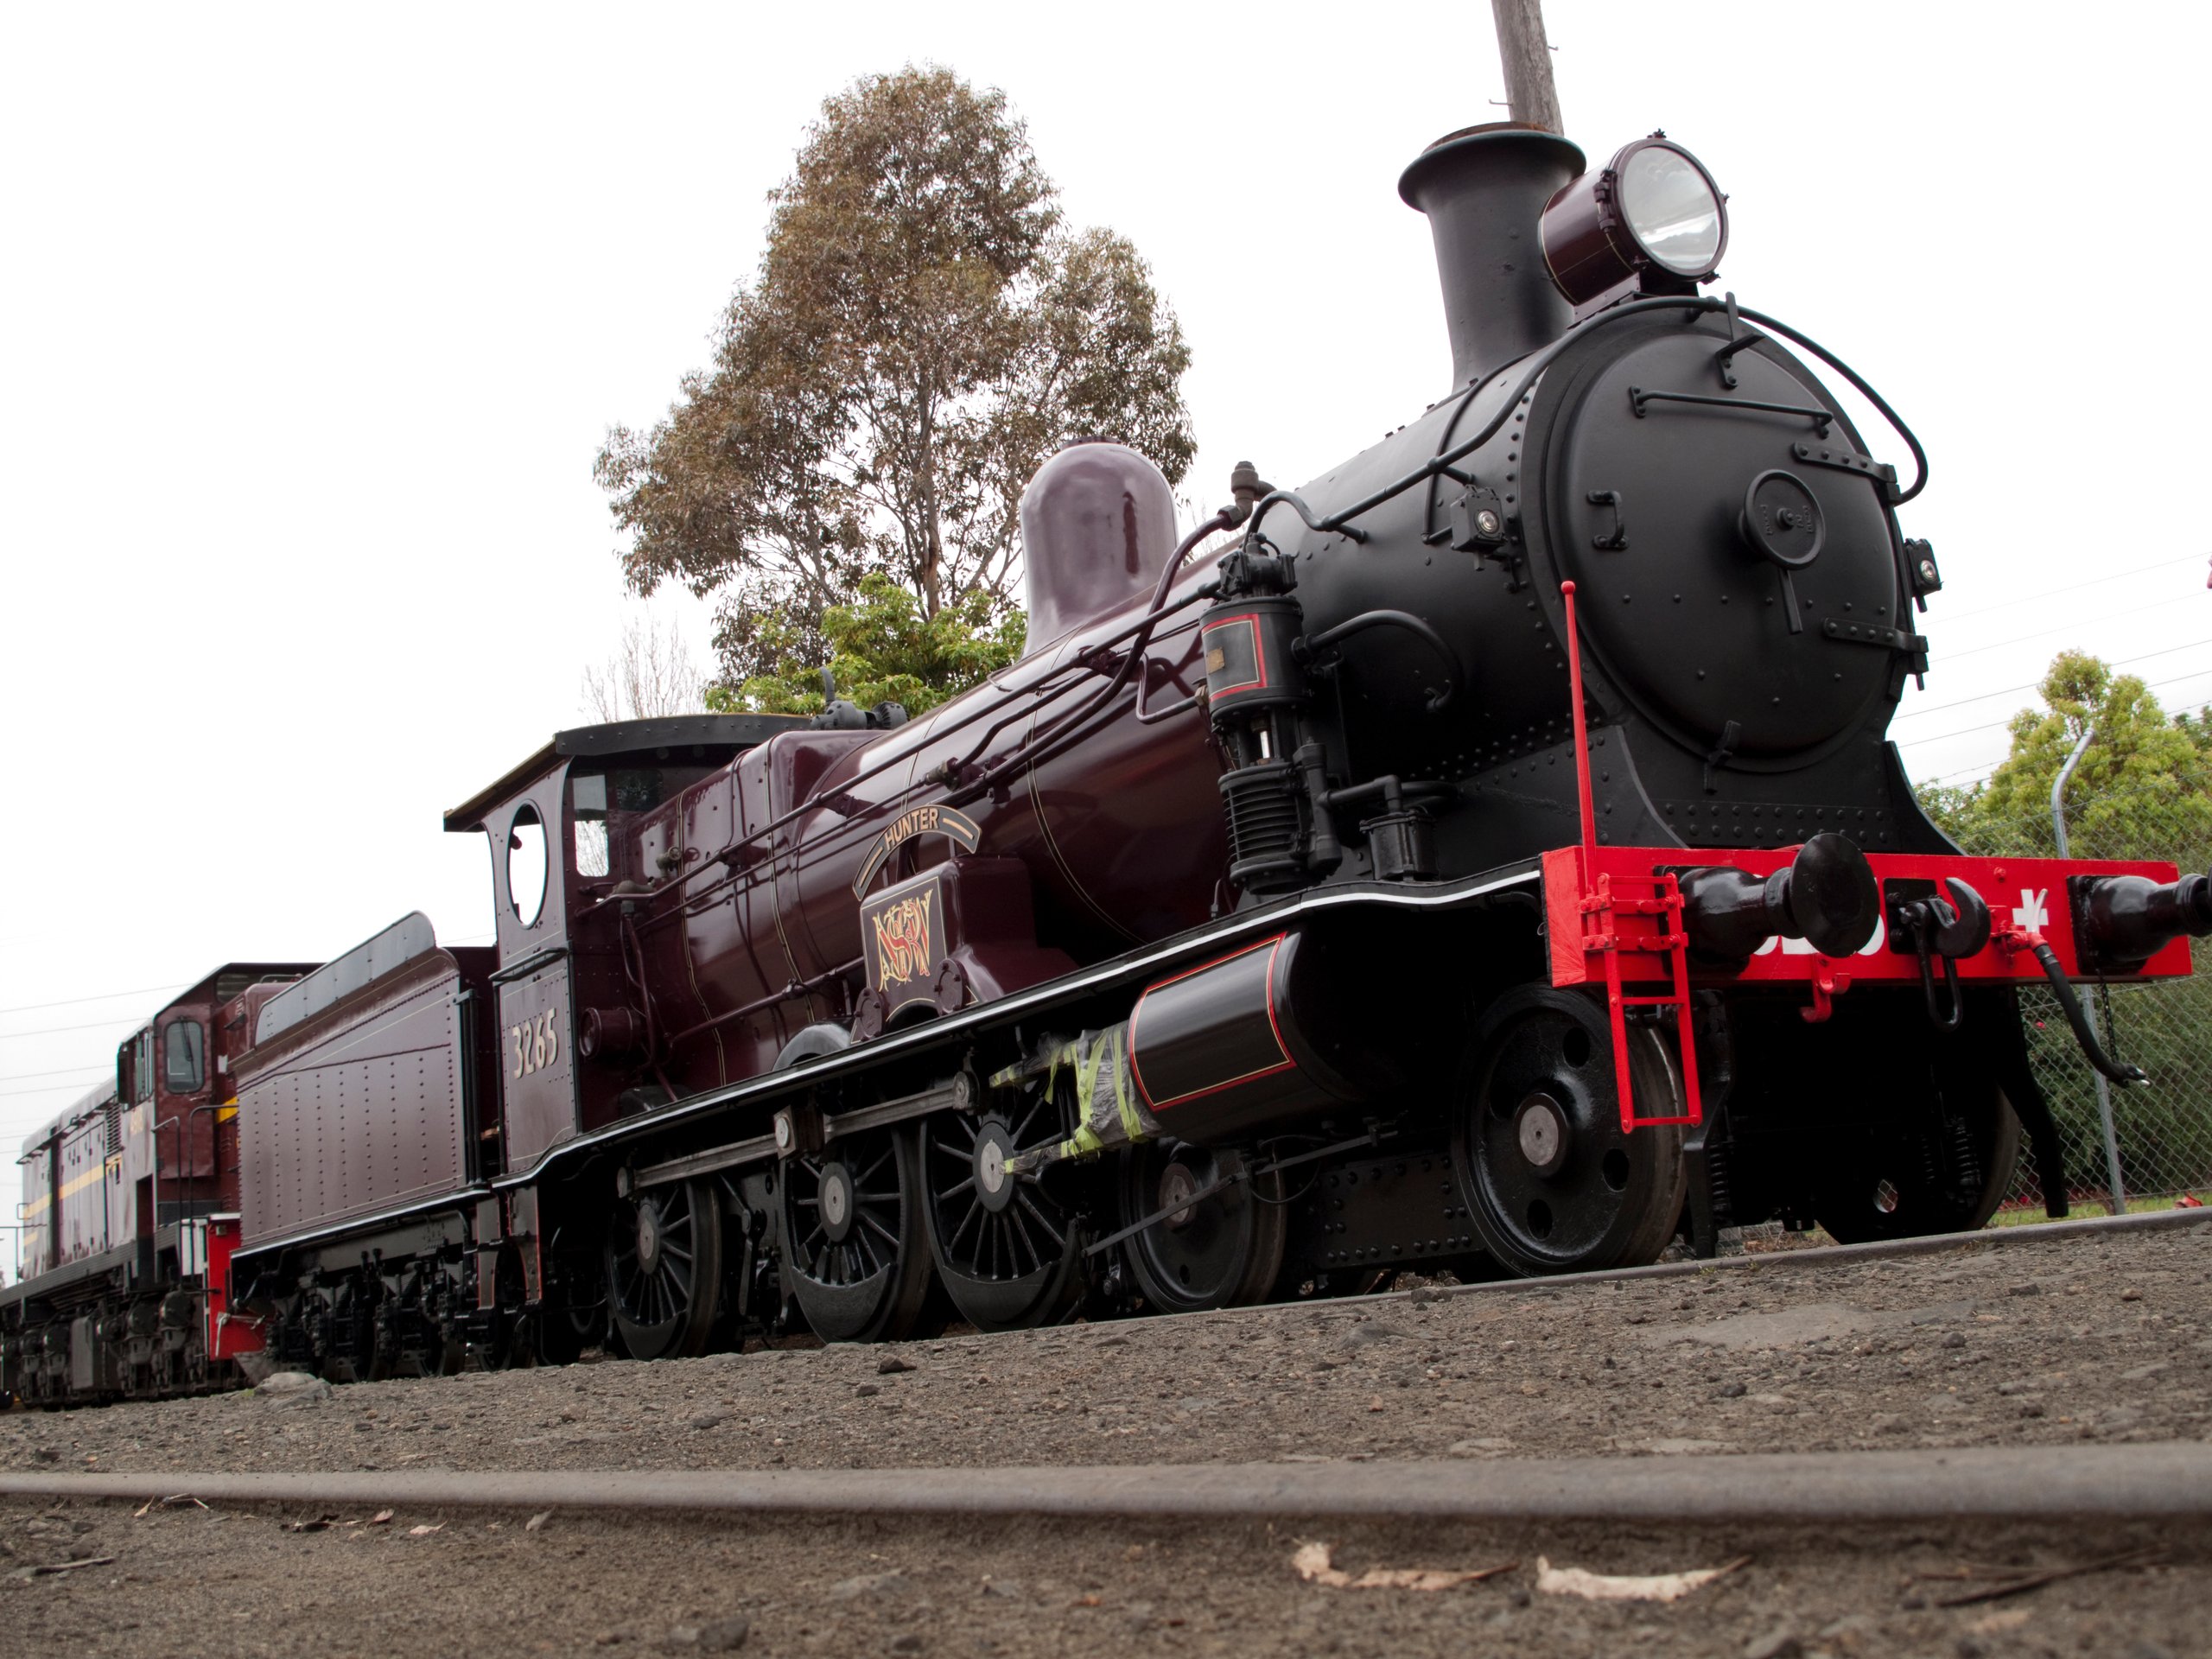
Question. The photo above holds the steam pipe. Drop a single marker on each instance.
(1412, 625)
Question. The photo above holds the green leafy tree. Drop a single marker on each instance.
(2143, 789)
(923, 332)
(881, 648)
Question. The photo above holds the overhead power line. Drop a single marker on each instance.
(105, 996)
(115, 1024)
(1984, 696)
(58, 1072)
(2064, 627)
(1992, 724)
(47, 1088)
(2072, 587)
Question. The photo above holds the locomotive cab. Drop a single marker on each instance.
(575, 832)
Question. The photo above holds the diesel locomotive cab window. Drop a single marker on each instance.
(526, 865)
(182, 1048)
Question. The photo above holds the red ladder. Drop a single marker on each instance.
(1604, 911)
(1603, 934)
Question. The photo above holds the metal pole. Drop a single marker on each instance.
(2119, 1193)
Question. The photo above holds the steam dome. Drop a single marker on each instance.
(1098, 527)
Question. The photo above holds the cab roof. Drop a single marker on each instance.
(713, 738)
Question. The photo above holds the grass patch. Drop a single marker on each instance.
(2093, 1203)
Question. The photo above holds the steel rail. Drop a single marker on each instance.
(1821, 1256)
(2173, 1478)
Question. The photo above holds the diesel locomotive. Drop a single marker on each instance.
(1486, 856)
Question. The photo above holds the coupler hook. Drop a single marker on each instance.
(1950, 931)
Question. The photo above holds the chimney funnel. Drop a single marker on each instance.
(1484, 190)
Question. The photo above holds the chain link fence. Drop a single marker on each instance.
(2161, 1132)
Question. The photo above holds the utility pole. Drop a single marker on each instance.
(1529, 95)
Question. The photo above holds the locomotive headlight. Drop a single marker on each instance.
(1651, 212)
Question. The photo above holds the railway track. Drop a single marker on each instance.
(1816, 1256)
(2011, 1483)
(2055, 1482)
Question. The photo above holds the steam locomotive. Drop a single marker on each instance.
(1487, 856)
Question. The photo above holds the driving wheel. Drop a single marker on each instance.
(1943, 1167)
(1550, 1179)
(1216, 1233)
(665, 1269)
(1005, 1246)
(856, 1254)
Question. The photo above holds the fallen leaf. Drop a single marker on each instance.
(1990, 1623)
(1312, 1563)
(1601, 1586)
(1089, 1601)
(424, 1532)
(537, 1522)
(381, 1518)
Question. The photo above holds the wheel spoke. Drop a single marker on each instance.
(967, 1220)
(1018, 1130)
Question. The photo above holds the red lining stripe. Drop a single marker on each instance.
(1274, 1029)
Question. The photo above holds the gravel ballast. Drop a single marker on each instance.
(2076, 1342)
(2103, 1337)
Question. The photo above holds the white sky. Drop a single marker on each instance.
(312, 318)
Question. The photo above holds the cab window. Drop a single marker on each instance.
(601, 803)
(588, 797)
(183, 1057)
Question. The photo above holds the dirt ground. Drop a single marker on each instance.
(230, 1582)
(2082, 1339)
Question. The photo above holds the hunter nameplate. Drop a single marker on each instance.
(957, 827)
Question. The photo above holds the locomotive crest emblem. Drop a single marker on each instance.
(902, 938)
(905, 937)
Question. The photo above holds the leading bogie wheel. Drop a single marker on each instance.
(856, 1254)
(665, 1269)
(1215, 1232)
(1550, 1179)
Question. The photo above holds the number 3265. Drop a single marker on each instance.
(532, 1045)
